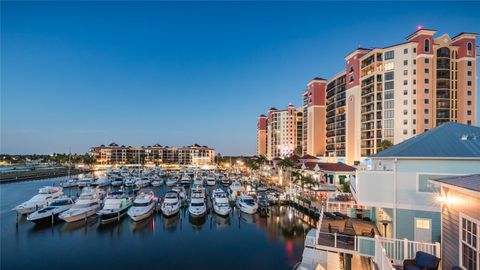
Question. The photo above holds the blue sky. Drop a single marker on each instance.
(79, 74)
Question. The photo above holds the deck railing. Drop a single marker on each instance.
(382, 261)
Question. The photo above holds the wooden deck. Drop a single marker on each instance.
(345, 230)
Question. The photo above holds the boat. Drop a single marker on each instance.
(102, 182)
(85, 181)
(198, 182)
(50, 213)
(143, 205)
(171, 203)
(117, 182)
(162, 173)
(45, 195)
(225, 181)
(142, 182)
(87, 205)
(185, 180)
(234, 190)
(115, 206)
(247, 204)
(171, 181)
(197, 205)
(157, 183)
(211, 180)
(69, 182)
(220, 202)
(130, 182)
(181, 191)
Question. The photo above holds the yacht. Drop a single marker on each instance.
(197, 205)
(185, 180)
(225, 181)
(181, 191)
(118, 181)
(247, 204)
(171, 181)
(198, 182)
(171, 203)
(142, 182)
(162, 173)
(70, 182)
(130, 182)
(234, 190)
(87, 205)
(115, 206)
(51, 212)
(143, 205)
(220, 202)
(102, 182)
(45, 195)
(157, 182)
(211, 180)
(85, 181)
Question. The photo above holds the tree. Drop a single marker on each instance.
(384, 145)
(298, 151)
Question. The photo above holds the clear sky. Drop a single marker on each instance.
(75, 75)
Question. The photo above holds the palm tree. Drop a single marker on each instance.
(384, 145)
(287, 164)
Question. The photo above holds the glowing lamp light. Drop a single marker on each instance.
(419, 27)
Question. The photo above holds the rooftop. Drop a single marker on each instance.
(469, 182)
(450, 140)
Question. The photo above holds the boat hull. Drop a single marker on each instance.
(80, 216)
(113, 216)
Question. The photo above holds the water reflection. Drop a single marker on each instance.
(197, 222)
(170, 224)
(221, 222)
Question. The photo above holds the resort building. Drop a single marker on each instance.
(396, 186)
(387, 95)
(281, 131)
(460, 217)
(262, 135)
(115, 154)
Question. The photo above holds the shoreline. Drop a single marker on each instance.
(40, 174)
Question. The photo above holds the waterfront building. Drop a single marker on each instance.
(396, 187)
(281, 131)
(262, 135)
(114, 154)
(460, 198)
(386, 95)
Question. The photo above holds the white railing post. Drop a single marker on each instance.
(335, 240)
(406, 254)
(438, 251)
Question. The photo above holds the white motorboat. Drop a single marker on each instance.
(70, 182)
(220, 202)
(198, 182)
(157, 183)
(85, 181)
(143, 182)
(234, 190)
(171, 203)
(197, 205)
(117, 182)
(143, 205)
(247, 204)
(186, 179)
(87, 205)
(162, 173)
(130, 182)
(181, 191)
(211, 180)
(102, 182)
(50, 213)
(171, 181)
(115, 206)
(225, 181)
(45, 195)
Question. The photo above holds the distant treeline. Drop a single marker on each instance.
(59, 158)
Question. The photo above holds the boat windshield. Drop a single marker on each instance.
(197, 204)
(60, 202)
(249, 201)
(141, 204)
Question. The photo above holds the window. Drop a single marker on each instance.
(351, 69)
(405, 62)
(414, 50)
(414, 82)
(389, 76)
(469, 112)
(389, 55)
(469, 248)
(426, 90)
(469, 83)
(405, 122)
(414, 91)
(469, 102)
(405, 112)
(389, 66)
(405, 51)
(469, 93)
(414, 71)
(414, 61)
(414, 132)
(414, 111)
(405, 102)
(426, 45)
(469, 63)
(405, 132)
(351, 78)
(389, 85)
(414, 102)
(469, 48)
(405, 82)
(426, 121)
(427, 71)
(425, 111)
(426, 61)
(426, 101)
(405, 72)
(422, 223)
(427, 81)
(405, 92)
(469, 73)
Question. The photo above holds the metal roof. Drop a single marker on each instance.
(470, 182)
(450, 140)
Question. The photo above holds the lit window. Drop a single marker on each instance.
(421, 223)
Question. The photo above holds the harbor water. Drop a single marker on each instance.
(240, 241)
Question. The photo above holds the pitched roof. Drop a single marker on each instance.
(307, 157)
(336, 167)
(470, 182)
(450, 140)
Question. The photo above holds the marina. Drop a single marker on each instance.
(176, 238)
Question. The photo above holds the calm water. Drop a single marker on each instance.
(238, 242)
